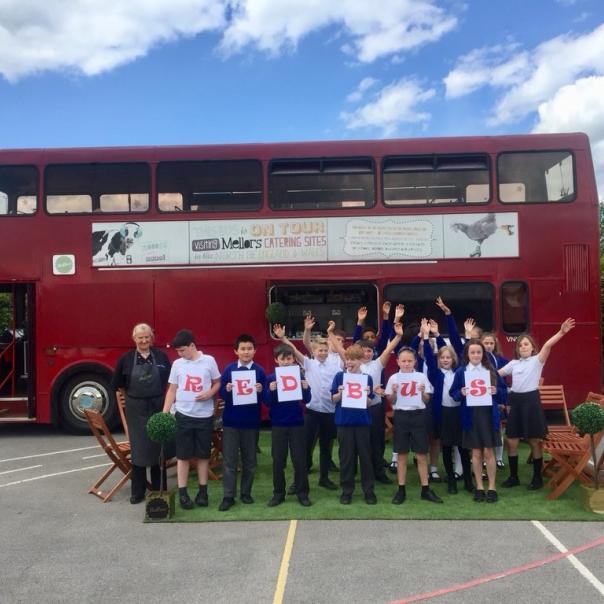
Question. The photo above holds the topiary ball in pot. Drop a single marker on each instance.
(161, 427)
(276, 313)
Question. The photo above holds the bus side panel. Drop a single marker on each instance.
(216, 307)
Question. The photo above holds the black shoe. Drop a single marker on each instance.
(385, 463)
(392, 467)
(535, 484)
(292, 490)
(452, 486)
(383, 479)
(510, 481)
(399, 497)
(328, 484)
(333, 467)
(370, 498)
(185, 502)
(226, 504)
(458, 476)
(136, 499)
(430, 495)
(434, 477)
(304, 500)
(201, 499)
(246, 499)
(345, 498)
(479, 495)
(276, 500)
(491, 496)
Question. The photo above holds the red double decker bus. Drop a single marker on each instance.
(93, 241)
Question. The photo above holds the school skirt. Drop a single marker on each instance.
(481, 435)
(450, 427)
(526, 418)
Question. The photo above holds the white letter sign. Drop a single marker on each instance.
(244, 387)
(289, 387)
(354, 394)
(478, 388)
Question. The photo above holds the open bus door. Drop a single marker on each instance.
(17, 389)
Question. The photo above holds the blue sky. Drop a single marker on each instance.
(101, 72)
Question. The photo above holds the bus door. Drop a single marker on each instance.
(17, 391)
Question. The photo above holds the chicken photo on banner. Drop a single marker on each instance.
(481, 235)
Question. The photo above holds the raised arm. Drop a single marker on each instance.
(279, 332)
(454, 336)
(547, 347)
(385, 330)
(358, 329)
(309, 323)
(333, 341)
(398, 334)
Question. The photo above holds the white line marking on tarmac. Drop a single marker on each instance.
(21, 469)
(284, 568)
(93, 456)
(587, 574)
(11, 484)
(52, 453)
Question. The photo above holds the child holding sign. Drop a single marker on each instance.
(193, 382)
(285, 396)
(350, 392)
(241, 387)
(476, 387)
(526, 419)
(407, 393)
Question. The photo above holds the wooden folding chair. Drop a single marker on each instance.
(571, 459)
(552, 397)
(118, 453)
(216, 451)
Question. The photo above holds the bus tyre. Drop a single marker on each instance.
(87, 391)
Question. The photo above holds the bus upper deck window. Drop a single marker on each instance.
(435, 179)
(209, 186)
(97, 188)
(18, 190)
(322, 183)
(536, 176)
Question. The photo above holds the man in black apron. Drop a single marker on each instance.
(141, 376)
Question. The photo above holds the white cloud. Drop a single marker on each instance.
(392, 106)
(578, 107)
(498, 66)
(364, 85)
(374, 32)
(93, 36)
(89, 36)
(528, 79)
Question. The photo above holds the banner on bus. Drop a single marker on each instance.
(299, 240)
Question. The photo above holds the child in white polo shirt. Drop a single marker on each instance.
(193, 382)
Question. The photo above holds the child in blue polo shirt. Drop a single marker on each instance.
(287, 418)
(241, 424)
(353, 432)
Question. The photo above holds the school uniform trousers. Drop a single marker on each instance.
(324, 423)
(355, 441)
(294, 439)
(377, 433)
(235, 440)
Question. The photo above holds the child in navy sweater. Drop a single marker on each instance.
(480, 424)
(241, 423)
(287, 419)
(353, 432)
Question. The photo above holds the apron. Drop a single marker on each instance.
(144, 397)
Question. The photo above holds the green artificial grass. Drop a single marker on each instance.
(514, 504)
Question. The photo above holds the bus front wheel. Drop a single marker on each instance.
(87, 391)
